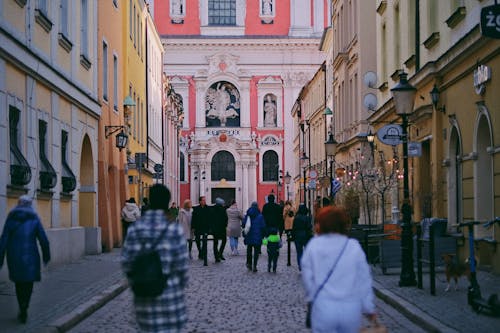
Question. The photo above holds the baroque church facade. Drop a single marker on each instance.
(239, 67)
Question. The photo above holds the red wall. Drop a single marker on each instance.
(281, 23)
(191, 25)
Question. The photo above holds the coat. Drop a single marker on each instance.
(201, 219)
(302, 226)
(185, 216)
(287, 218)
(273, 215)
(166, 312)
(234, 217)
(258, 227)
(19, 239)
(130, 212)
(219, 221)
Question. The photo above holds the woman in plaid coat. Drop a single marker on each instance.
(166, 312)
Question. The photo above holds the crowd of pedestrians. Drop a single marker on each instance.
(334, 270)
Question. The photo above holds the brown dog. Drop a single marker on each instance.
(455, 269)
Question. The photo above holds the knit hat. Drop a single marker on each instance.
(219, 201)
(255, 204)
(25, 201)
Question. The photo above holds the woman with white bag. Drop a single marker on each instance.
(254, 235)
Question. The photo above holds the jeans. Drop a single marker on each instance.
(299, 247)
(218, 251)
(233, 242)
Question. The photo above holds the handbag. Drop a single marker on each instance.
(310, 304)
(374, 327)
(248, 225)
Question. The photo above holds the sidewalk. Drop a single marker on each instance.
(444, 312)
(66, 294)
(69, 293)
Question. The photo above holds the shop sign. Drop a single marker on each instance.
(482, 74)
(490, 21)
(414, 149)
(390, 134)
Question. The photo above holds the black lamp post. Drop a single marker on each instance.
(304, 160)
(288, 179)
(331, 149)
(121, 138)
(404, 98)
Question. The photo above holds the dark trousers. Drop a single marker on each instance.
(252, 260)
(272, 260)
(219, 250)
(125, 226)
(23, 294)
(201, 245)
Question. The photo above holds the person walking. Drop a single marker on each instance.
(130, 214)
(301, 231)
(234, 218)
(273, 214)
(19, 238)
(201, 227)
(273, 243)
(219, 225)
(253, 239)
(167, 311)
(288, 217)
(185, 217)
(174, 210)
(336, 276)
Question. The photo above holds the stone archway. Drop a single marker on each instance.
(87, 200)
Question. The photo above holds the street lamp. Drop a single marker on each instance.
(288, 179)
(121, 138)
(331, 149)
(304, 161)
(404, 98)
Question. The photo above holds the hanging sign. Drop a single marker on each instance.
(390, 134)
(414, 149)
(490, 21)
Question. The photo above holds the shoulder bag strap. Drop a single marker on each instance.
(330, 272)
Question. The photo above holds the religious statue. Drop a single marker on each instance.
(176, 7)
(269, 112)
(219, 103)
(267, 7)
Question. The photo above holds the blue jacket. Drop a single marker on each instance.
(20, 233)
(257, 229)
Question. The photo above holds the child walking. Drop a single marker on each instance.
(273, 242)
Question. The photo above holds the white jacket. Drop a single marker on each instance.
(130, 213)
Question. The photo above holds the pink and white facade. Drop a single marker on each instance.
(239, 66)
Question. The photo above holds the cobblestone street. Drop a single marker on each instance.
(220, 296)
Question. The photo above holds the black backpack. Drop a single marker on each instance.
(146, 277)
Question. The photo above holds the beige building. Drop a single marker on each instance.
(456, 176)
(49, 113)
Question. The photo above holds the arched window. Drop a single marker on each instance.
(182, 177)
(223, 166)
(270, 166)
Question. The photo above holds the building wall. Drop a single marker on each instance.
(65, 97)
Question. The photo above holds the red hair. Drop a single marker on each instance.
(332, 219)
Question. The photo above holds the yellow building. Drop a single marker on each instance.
(134, 80)
(49, 113)
(456, 176)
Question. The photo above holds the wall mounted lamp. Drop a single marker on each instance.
(435, 99)
(121, 138)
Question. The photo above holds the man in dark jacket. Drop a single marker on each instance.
(19, 239)
(201, 227)
(273, 215)
(219, 225)
(301, 230)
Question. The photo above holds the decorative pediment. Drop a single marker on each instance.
(222, 63)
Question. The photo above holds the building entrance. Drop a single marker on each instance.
(225, 193)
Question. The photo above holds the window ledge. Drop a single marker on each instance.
(43, 20)
(432, 40)
(455, 18)
(21, 3)
(381, 7)
(395, 75)
(65, 196)
(64, 42)
(44, 194)
(85, 62)
(383, 86)
(16, 190)
(411, 61)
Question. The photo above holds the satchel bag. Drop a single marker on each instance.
(310, 304)
(374, 327)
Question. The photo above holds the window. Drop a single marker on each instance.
(270, 166)
(63, 22)
(42, 6)
(115, 82)
(223, 166)
(130, 26)
(182, 168)
(48, 176)
(20, 171)
(67, 176)
(115, 3)
(105, 71)
(135, 27)
(84, 38)
(221, 12)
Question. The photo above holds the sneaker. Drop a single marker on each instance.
(222, 258)
(249, 267)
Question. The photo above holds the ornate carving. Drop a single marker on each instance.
(224, 63)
